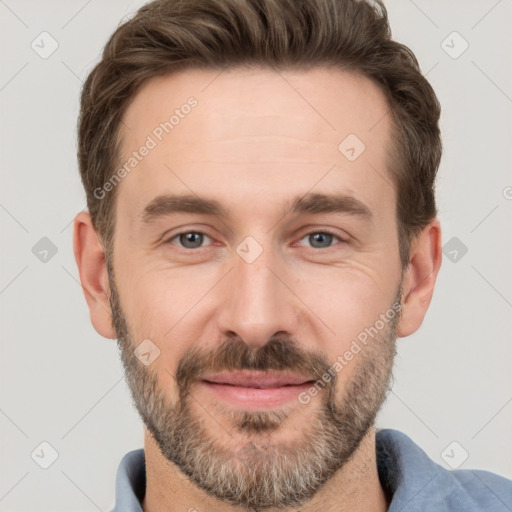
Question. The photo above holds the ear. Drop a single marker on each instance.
(92, 267)
(420, 278)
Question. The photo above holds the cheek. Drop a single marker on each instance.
(348, 301)
(160, 303)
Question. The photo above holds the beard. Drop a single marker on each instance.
(251, 469)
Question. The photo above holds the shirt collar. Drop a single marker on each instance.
(405, 470)
(131, 482)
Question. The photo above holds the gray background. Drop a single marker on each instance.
(62, 383)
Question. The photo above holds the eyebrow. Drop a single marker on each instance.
(164, 205)
(314, 203)
(309, 204)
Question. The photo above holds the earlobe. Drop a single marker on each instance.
(90, 259)
(420, 278)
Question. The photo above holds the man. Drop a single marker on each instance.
(261, 227)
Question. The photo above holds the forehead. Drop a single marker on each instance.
(240, 133)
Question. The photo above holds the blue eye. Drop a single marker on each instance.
(321, 239)
(190, 239)
(195, 239)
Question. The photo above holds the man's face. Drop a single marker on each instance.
(251, 305)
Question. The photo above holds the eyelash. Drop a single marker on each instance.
(323, 232)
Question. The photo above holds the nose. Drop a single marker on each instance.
(257, 303)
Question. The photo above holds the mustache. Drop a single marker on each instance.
(233, 354)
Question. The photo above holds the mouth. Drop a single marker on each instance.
(255, 389)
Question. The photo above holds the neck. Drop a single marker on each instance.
(355, 487)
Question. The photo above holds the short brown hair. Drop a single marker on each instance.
(172, 35)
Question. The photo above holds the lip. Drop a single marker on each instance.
(257, 379)
(255, 389)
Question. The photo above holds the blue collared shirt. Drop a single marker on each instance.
(415, 482)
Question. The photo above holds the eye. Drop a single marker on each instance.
(321, 239)
(189, 239)
(194, 239)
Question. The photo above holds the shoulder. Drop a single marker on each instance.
(487, 490)
(417, 483)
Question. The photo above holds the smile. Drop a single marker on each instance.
(250, 389)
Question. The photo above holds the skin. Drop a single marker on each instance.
(256, 139)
